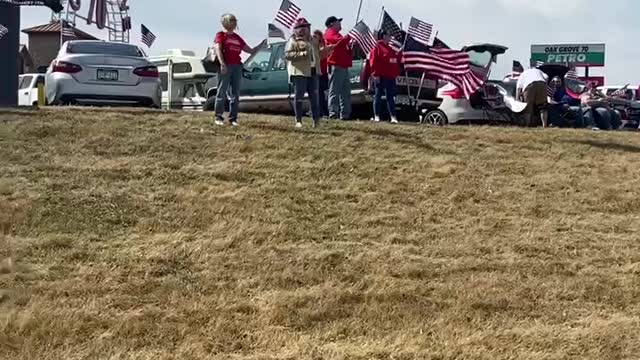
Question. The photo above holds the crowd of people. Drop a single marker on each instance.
(317, 62)
(555, 107)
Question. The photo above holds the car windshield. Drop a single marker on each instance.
(104, 48)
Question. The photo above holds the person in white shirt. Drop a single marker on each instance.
(532, 88)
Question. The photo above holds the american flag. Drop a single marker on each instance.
(288, 14)
(3, 31)
(147, 37)
(391, 27)
(446, 64)
(126, 23)
(276, 32)
(363, 36)
(67, 31)
(422, 31)
(516, 69)
(572, 74)
(620, 92)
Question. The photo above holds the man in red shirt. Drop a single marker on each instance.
(384, 63)
(229, 46)
(339, 63)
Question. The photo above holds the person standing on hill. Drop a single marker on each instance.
(303, 56)
(228, 47)
(339, 63)
(303, 66)
(324, 76)
(384, 63)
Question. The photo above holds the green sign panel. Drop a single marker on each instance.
(572, 54)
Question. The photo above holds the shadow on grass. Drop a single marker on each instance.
(383, 132)
(608, 145)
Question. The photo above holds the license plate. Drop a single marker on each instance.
(109, 75)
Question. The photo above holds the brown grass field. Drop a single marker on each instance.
(154, 235)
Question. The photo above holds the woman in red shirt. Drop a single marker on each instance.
(229, 46)
(385, 68)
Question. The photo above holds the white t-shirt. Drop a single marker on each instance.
(530, 76)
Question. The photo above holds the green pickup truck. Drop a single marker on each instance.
(265, 84)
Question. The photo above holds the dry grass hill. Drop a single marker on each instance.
(151, 235)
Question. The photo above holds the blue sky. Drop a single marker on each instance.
(190, 24)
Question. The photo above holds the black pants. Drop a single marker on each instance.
(324, 103)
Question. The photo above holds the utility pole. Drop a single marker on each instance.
(9, 17)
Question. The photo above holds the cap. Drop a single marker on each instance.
(332, 20)
(300, 23)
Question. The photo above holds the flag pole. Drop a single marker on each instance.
(380, 20)
(359, 9)
(406, 73)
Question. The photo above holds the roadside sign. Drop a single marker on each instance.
(572, 54)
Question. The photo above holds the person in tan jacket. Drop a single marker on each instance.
(303, 54)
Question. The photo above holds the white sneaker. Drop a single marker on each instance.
(376, 119)
(298, 125)
(394, 120)
(220, 122)
(234, 123)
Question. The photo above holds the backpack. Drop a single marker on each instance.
(211, 63)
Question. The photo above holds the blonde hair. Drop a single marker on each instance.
(226, 21)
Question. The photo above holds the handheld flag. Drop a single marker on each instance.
(276, 32)
(288, 14)
(363, 36)
(422, 31)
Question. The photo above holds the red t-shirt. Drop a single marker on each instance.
(232, 45)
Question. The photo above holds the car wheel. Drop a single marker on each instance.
(210, 104)
(435, 117)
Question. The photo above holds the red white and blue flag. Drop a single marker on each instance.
(146, 36)
(446, 64)
(421, 31)
(67, 31)
(363, 36)
(288, 14)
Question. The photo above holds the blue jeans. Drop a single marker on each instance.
(229, 87)
(385, 87)
(339, 93)
(306, 85)
(606, 119)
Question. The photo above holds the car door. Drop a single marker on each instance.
(256, 74)
(24, 90)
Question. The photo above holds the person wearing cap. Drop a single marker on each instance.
(384, 63)
(339, 62)
(303, 57)
(228, 47)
